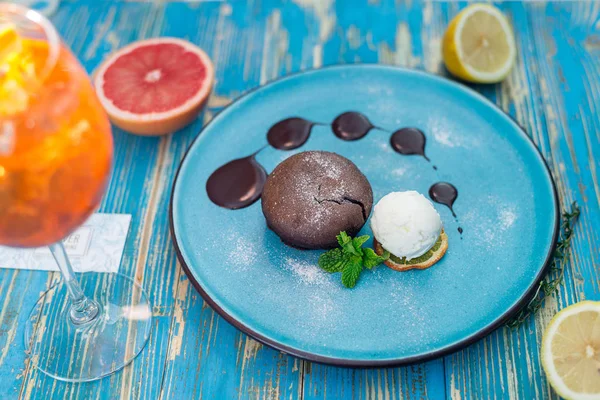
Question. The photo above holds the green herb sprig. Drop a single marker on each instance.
(350, 258)
(550, 283)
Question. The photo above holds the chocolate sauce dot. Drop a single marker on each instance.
(444, 193)
(351, 125)
(289, 133)
(409, 141)
(237, 184)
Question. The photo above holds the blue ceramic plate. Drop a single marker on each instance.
(507, 207)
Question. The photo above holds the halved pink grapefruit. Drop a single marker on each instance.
(154, 86)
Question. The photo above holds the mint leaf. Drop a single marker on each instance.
(343, 238)
(333, 261)
(352, 271)
(371, 259)
(345, 242)
(357, 242)
(350, 259)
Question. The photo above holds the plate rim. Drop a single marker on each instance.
(365, 363)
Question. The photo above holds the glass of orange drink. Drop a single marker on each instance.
(56, 154)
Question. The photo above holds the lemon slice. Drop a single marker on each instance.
(431, 257)
(571, 351)
(479, 45)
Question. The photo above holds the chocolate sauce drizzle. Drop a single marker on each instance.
(409, 141)
(445, 193)
(290, 133)
(351, 125)
(240, 182)
(237, 184)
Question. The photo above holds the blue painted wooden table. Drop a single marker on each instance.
(554, 92)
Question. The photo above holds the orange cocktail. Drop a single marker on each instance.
(55, 142)
(55, 161)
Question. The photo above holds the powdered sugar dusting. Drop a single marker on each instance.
(443, 137)
(507, 218)
(306, 272)
(448, 137)
(244, 252)
(398, 172)
(322, 308)
(332, 170)
(489, 236)
(492, 227)
(385, 147)
(408, 306)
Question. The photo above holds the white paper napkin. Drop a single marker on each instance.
(97, 246)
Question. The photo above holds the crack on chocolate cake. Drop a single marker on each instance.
(357, 202)
(345, 200)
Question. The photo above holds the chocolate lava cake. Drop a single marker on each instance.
(312, 196)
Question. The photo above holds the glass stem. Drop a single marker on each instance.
(83, 309)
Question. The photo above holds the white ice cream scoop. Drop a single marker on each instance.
(406, 224)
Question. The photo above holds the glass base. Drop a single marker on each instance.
(81, 353)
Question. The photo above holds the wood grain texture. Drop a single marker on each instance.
(553, 92)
